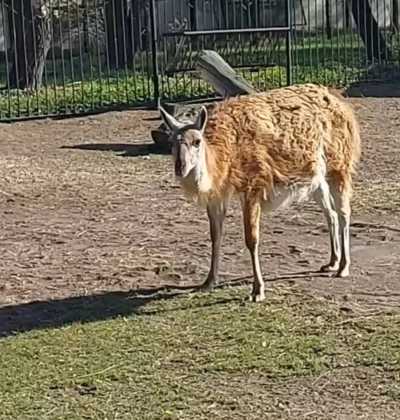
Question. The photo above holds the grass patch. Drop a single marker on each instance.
(178, 358)
(131, 90)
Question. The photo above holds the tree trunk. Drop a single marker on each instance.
(348, 15)
(30, 40)
(139, 15)
(368, 29)
(328, 18)
(395, 15)
(118, 33)
(192, 15)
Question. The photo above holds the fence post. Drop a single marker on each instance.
(154, 50)
(289, 42)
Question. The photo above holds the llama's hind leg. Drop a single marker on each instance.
(323, 197)
(251, 219)
(341, 193)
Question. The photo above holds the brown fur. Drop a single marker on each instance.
(256, 142)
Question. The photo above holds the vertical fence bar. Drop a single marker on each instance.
(107, 52)
(15, 63)
(62, 58)
(154, 50)
(25, 77)
(344, 29)
(53, 59)
(81, 64)
(124, 13)
(134, 45)
(147, 62)
(289, 42)
(116, 59)
(325, 32)
(99, 86)
(316, 40)
(44, 29)
(87, 35)
(338, 45)
(6, 45)
(71, 57)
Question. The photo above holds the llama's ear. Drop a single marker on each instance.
(201, 119)
(171, 122)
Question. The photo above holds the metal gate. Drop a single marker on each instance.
(67, 57)
(253, 36)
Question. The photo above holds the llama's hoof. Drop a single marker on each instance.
(329, 268)
(257, 297)
(343, 272)
(207, 286)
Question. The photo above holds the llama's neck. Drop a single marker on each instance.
(203, 171)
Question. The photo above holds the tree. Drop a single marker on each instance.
(34, 25)
(328, 18)
(395, 15)
(124, 20)
(368, 29)
(30, 39)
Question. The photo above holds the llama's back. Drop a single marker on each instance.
(342, 147)
(278, 136)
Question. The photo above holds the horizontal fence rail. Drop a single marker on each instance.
(63, 57)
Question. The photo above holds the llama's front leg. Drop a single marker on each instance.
(251, 219)
(216, 215)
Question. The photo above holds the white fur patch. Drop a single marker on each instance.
(198, 181)
(203, 178)
(283, 196)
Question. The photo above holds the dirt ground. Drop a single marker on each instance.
(89, 207)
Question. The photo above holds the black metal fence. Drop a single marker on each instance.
(77, 56)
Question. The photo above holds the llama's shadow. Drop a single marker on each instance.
(57, 313)
(373, 90)
(123, 149)
(84, 309)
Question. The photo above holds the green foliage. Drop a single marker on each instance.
(133, 90)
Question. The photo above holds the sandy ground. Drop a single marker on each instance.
(89, 207)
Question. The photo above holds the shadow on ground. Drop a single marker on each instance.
(38, 315)
(373, 90)
(58, 313)
(123, 149)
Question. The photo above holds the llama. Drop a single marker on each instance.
(270, 149)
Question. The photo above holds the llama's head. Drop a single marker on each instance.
(187, 140)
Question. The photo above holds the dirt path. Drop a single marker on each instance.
(87, 208)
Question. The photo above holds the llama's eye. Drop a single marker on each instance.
(196, 143)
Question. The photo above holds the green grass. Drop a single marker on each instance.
(77, 97)
(122, 91)
(189, 357)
